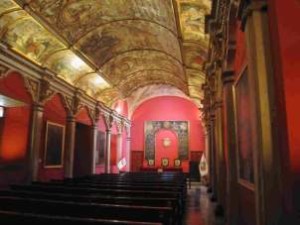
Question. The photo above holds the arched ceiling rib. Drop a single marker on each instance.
(130, 43)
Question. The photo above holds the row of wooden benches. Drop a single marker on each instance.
(102, 199)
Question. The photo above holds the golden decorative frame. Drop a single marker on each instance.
(177, 162)
(164, 162)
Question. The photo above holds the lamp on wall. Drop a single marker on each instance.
(2, 110)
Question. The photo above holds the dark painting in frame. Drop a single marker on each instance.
(54, 145)
(244, 128)
(100, 148)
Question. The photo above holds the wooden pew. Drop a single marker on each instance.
(94, 191)
(107, 199)
(16, 218)
(88, 210)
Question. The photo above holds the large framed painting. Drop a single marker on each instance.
(244, 128)
(181, 128)
(100, 147)
(54, 145)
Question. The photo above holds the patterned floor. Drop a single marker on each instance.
(200, 210)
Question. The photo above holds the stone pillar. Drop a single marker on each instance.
(230, 149)
(70, 146)
(94, 148)
(35, 141)
(107, 168)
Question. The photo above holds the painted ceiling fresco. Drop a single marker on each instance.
(111, 48)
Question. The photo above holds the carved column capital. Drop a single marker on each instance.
(246, 8)
(108, 121)
(3, 70)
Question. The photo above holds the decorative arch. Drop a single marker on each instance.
(15, 85)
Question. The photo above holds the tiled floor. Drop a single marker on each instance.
(199, 209)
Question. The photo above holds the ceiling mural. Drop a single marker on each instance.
(195, 42)
(112, 39)
(132, 62)
(111, 48)
(75, 18)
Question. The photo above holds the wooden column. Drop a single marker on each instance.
(70, 146)
(128, 150)
(220, 159)
(94, 147)
(268, 180)
(213, 176)
(107, 168)
(230, 149)
(119, 142)
(35, 141)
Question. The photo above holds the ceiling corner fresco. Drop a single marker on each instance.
(134, 43)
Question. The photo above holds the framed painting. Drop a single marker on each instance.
(177, 163)
(243, 108)
(54, 145)
(151, 162)
(100, 147)
(164, 162)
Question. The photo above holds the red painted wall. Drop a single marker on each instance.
(121, 107)
(14, 132)
(166, 151)
(167, 108)
(54, 112)
(84, 117)
(285, 30)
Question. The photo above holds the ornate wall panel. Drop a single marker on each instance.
(181, 128)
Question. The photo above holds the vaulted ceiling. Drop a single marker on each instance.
(112, 48)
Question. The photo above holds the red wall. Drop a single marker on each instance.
(84, 117)
(54, 112)
(166, 151)
(167, 108)
(284, 25)
(15, 128)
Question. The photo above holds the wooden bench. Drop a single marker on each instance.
(94, 191)
(88, 210)
(105, 199)
(16, 218)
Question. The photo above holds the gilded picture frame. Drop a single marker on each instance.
(54, 145)
(177, 162)
(244, 129)
(151, 162)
